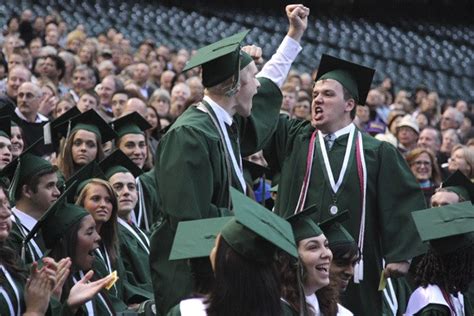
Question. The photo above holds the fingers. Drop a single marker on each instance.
(254, 51)
(87, 277)
(297, 10)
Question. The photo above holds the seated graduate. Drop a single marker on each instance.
(96, 195)
(33, 189)
(243, 254)
(134, 245)
(132, 140)
(5, 142)
(303, 282)
(85, 135)
(69, 232)
(447, 268)
(17, 295)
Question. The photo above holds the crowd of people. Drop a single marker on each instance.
(214, 181)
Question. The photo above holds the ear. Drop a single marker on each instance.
(26, 191)
(350, 105)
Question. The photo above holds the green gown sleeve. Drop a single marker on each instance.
(256, 130)
(398, 195)
(150, 193)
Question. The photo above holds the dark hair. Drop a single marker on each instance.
(33, 181)
(342, 253)
(60, 64)
(243, 286)
(9, 257)
(155, 132)
(452, 272)
(203, 276)
(65, 247)
(288, 269)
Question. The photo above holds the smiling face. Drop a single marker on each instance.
(17, 141)
(98, 203)
(342, 270)
(457, 161)
(329, 111)
(5, 216)
(87, 241)
(316, 258)
(126, 189)
(134, 146)
(84, 147)
(422, 167)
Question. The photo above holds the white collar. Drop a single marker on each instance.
(39, 117)
(193, 306)
(25, 219)
(313, 301)
(342, 131)
(222, 115)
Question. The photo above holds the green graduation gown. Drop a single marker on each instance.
(392, 194)
(15, 242)
(8, 297)
(150, 198)
(192, 178)
(134, 255)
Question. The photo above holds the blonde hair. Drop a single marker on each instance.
(468, 154)
(109, 230)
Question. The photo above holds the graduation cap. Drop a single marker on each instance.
(221, 60)
(461, 185)
(447, 228)
(355, 78)
(337, 234)
(81, 178)
(254, 232)
(50, 130)
(132, 123)
(25, 166)
(57, 220)
(5, 126)
(195, 239)
(119, 162)
(90, 121)
(303, 225)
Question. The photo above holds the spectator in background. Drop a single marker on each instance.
(167, 80)
(422, 162)
(179, 99)
(62, 106)
(156, 69)
(394, 117)
(196, 88)
(70, 65)
(29, 101)
(462, 106)
(451, 118)
(450, 139)
(289, 99)
(83, 78)
(161, 100)
(407, 134)
(16, 77)
(179, 61)
(88, 100)
(462, 159)
(141, 74)
(108, 86)
(119, 99)
(302, 109)
(106, 68)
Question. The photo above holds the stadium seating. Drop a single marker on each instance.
(440, 56)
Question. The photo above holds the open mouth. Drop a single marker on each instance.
(323, 268)
(318, 112)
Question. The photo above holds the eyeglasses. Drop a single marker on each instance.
(421, 163)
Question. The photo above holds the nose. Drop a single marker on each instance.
(349, 270)
(56, 192)
(97, 238)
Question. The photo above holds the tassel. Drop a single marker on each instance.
(359, 271)
(15, 180)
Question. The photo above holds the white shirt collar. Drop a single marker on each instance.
(25, 219)
(39, 117)
(222, 115)
(313, 301)
(342, 131)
